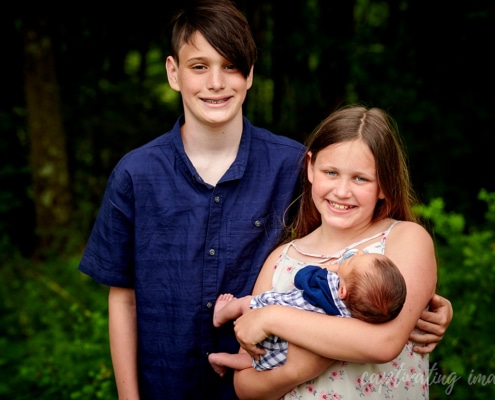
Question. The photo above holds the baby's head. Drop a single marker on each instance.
(371, 286)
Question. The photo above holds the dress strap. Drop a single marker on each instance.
(390, 228)
(324, 258)
(286, 248)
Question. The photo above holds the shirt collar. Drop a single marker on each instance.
(238, 167)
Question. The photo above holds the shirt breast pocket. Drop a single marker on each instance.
(249, 241)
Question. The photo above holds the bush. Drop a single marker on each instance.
(463, 365)
(54, 342)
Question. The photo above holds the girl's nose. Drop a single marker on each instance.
(342, 188)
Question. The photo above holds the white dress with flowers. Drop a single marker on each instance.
(404, 378)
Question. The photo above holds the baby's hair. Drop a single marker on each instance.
(378, 294)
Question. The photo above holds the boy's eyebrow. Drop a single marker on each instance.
(193, 60)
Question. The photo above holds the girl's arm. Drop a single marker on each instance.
(411, 248)
(301, 365)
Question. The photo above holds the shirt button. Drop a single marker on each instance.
(217, 199)
(212, 252)
(257, 223)
(209, 304)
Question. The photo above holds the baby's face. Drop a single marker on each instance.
(354, 259)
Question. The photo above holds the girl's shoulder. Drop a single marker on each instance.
(279, 251)
(408, 232)
(409, 227)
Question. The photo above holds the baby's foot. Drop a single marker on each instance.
(222, 300)
(215, 361)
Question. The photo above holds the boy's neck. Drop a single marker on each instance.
(211, 149)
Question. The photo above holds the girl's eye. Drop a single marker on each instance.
(331, 173)
(361, 179)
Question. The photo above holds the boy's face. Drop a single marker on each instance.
(212, 89)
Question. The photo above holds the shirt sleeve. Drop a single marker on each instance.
(109, 254)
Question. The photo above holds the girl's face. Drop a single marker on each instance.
(344, 184)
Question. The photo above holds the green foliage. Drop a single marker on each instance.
(54, 335)
(463, 365)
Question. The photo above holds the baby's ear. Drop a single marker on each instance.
(342, 291)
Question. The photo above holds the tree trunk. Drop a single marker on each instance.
(47, 138)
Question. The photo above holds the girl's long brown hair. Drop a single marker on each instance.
(379, 131)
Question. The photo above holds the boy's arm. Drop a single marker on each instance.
(123, 341)
(432, 325)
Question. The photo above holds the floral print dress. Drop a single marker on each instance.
(405, 377)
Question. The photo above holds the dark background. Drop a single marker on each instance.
(429, 64)
(80, 87)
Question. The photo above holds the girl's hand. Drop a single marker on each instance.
(432, 325)
(249, 330)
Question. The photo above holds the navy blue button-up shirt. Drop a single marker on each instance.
(180, 242)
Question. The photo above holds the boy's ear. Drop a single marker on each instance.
(172, 71)
(342, 291)
(249, 79)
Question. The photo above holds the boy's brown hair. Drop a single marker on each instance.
(232, 38)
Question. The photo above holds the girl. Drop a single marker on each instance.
(356, 195)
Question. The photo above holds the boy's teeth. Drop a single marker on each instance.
(214, 101)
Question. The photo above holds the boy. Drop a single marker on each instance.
(191, 214)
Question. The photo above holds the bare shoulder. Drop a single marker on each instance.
(410, 244)
(264, 280)
(275, 254)
(407, 230)
(410, 240)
